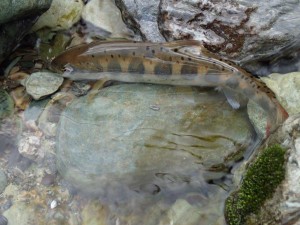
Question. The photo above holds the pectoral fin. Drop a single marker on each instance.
(236, 100)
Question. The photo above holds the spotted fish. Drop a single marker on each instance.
(172, 63)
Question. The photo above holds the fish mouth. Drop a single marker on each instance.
(55, 66)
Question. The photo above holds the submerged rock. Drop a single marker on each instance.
(41, 84)
(133, 141)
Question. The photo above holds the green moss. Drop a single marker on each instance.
(259, 183)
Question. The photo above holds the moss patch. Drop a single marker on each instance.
(259, 183)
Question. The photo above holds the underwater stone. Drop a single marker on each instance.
(41, 84)
(116, 146)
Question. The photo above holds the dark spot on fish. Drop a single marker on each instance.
(153, 51)
(119, 56)
(175, 49)
(163, 69)
(114, 66)
(187, 70)
(182, 58)
(189, 59)
(133, 53)
(112, 56)
(93, 56)
(136, 66)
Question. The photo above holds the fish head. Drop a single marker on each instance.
(71, 58)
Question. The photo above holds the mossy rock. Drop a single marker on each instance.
(259, 184)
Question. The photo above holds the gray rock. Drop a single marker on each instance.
(135, 140)
(41, 84)
(141, 16)
(104, 15)
(16, 19)
(3, 181)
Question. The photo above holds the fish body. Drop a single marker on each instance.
(172, 63)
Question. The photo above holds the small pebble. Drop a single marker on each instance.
(3, 220)
(155, 107)
(53, 204)
(48, 179)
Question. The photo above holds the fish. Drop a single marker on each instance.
(184, 62)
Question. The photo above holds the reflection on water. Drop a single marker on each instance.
(116, 159)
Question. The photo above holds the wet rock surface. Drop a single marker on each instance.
(239, 30)
(134, 141)
(35, 84)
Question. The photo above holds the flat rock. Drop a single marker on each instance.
(131, 140)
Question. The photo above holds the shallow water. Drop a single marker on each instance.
(133, 153)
